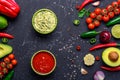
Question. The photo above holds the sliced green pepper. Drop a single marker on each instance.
(5, 40)
(113, 21)
(93, 41)
(89, 34)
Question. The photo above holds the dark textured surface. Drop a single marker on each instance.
(61, 42)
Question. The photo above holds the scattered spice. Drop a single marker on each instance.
(78, 48)
(97, 58)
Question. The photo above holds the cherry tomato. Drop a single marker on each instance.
(104, 11)
(97, 11)
(118, 1)
(115, 4)
(106, 18)
(9, 66)
(92, 15)
(1, 75)
(91, 26)
(96, 23)
(89, 20)
(109, 8)
(111, 14)
(11, 56)
(14, 62)
(1, 68)
(5, 70)
(99, 17)
(3, 64)
(116, 11)
(7, 60)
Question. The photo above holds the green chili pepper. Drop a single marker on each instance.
(113, 21)
(92, 41)
(5, 40)
(89, 34)
(9, 75)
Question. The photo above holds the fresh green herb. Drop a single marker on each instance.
(83, 12)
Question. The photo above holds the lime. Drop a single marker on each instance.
(116, 31)
(3, 22)
(44, 21)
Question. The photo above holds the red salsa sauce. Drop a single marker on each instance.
(43, 62)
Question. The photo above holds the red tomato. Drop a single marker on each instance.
(97, 11)
(91, 26)
(109, 8)
(111, 14)
(1, 75)
(5, 70)
(106, 18)
(115, 4)
(99, 17)
(92, 15)
(89, 20)
(118, 1)
(116, 11)
(9, 66)
(6, 60)
(14, 62)
(1, 68)
(104, 11)
(96, 23)
(11, 56)
(3, 64)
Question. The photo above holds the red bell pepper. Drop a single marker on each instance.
(9, 8)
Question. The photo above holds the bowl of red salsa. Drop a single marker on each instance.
(43, 62)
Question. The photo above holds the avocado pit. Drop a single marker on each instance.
(113, 56)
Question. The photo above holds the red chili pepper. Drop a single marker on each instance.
(80, 7)
(111, 68)
(98, 46)
(9, 8)
(6, 35)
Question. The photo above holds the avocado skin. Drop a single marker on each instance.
(5, 49)
(105, 57)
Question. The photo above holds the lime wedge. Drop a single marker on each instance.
(116, 31)
(44, 21)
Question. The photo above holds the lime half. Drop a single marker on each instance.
(116, 31)
(44, 21)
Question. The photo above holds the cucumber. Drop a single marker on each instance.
(5, 49)
(44, 21)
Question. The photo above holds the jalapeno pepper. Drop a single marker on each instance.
(89, 34)
(92, 41)
(9, 75)
(114, 21)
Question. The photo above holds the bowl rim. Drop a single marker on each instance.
(35, 55)
(43, 9)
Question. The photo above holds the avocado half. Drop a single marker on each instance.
(105, 57)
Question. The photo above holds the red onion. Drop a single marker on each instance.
(99, 75)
